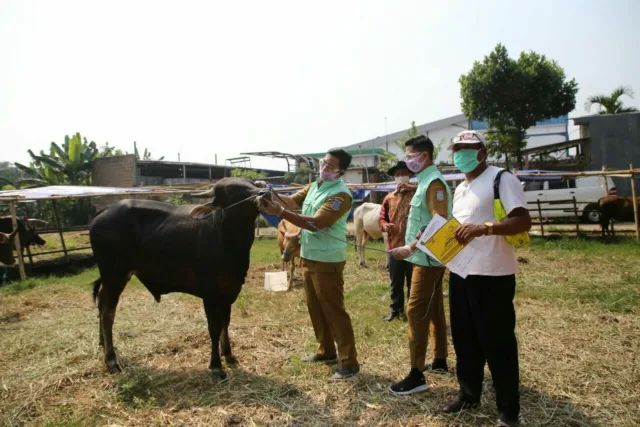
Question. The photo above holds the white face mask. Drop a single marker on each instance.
(401, 179)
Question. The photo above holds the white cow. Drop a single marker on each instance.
(365, 218)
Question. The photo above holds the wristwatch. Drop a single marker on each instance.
(489, 228)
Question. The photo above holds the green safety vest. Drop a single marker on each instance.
(420, 214)
(318, 246)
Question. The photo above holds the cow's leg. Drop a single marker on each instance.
(212, 308)
(363, 241)
(107, 302)
(292, 268)
(225, 344)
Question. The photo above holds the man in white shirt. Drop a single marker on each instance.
(481, 305)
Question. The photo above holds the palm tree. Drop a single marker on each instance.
(611, 104)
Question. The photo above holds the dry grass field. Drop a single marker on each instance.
(578, 307)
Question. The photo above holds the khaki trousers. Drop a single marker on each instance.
(324, 288)
(423, 324)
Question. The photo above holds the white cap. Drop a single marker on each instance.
(468, 137)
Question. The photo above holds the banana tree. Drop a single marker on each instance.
(69, 164)
(145, 156)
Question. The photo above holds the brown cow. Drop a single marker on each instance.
(6, 248)
(289, 243)
(615, 208)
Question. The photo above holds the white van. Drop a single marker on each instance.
(558, 195)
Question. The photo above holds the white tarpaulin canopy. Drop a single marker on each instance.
(67, 191)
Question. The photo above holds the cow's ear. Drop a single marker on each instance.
(202, 211)
(3, 238)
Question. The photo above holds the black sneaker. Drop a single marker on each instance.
(437, 366)
(316, 358)
(344, 373)
(413, 383)
(391, 316)
(504, 421)
(458, 404)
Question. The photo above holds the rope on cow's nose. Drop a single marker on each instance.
(242, 201)
(328, 234)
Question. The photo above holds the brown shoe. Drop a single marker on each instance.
(316, 358)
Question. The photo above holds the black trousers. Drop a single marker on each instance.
(483, 321)
(399, 272)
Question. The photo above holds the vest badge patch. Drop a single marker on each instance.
(337, 202)
(439, 195)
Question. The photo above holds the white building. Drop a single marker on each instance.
(441, 131)
(367, 154)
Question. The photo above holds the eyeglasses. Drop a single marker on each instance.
(411, 155)
(327, 166)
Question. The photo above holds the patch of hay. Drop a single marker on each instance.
(578, 363)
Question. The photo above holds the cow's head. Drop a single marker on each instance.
(291, 240)
(6, 248)
(32, 237)
(238, 197)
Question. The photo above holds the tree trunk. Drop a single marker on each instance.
(521, 137)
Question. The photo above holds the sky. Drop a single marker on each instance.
(206, 78)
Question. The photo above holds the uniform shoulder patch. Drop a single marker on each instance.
(337, 202)
(439, 195)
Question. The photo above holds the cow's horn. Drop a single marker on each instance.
(205, 194)
(36, 221)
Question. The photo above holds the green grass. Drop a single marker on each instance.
(604, 274)
(580, 271)
(619, 245)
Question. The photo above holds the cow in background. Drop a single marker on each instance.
(26, 231)
(289, 243)
(6, 248)
(365, 218)
(615, 208)
(202, 252)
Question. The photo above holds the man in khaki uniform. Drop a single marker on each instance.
(325, 204)
(425, 309)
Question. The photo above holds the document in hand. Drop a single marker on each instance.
(439, 242)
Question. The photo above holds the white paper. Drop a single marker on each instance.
(461, 262)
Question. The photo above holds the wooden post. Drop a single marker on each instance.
(575, 212)
(56, 216)
(635, 203)
(16, 240)
(540, 218)
(606, 183)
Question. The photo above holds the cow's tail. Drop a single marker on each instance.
(96, 288)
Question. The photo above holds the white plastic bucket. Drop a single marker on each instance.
(276, 281)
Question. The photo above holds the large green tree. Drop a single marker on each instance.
(513, 95)
(248, 173)
(611, 104)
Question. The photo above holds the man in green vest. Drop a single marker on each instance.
(325, 204)
(425, 309)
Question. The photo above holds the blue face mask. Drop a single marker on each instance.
(466, 160)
